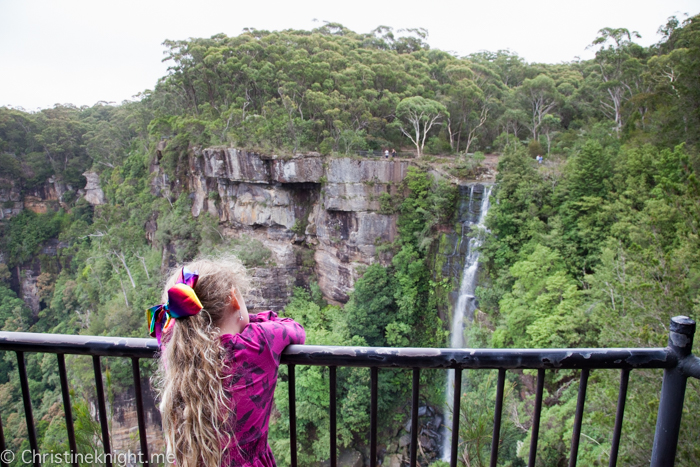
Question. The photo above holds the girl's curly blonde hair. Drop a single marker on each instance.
(192, 374)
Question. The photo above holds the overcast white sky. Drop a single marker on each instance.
(85, 51)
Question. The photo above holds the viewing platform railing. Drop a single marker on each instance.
(676, 360)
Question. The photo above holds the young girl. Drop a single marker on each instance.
(218, 366)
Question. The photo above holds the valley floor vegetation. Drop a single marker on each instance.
(596, 246)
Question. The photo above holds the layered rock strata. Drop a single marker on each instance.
(10, 198)
(310, 211)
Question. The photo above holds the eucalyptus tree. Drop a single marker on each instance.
(673, 73)
(548, 128)
(417, 116)
(510, 124)
(619, 68)
(538, 97)
(510, 68)
(114, 131)
(470, 96)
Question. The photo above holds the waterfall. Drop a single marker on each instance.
(466, 302)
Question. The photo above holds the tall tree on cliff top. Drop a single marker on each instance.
(470, 95)
(673, 74)
(421, 114)
(619, 68)
(539, 97)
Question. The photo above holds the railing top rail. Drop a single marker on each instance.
(407, 357)
(78, 345)
(366, 356)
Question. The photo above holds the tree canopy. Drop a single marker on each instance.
(597, 246)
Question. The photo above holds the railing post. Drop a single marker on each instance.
(668, 420)
(2, 446)
(373, 398)
(143, 436)
(102, 409)
(28, 415)
(333, 416)
(292, 415)
(67, 410)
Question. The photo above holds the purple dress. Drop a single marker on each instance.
(254, 356)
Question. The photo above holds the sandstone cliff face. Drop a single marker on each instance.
(41, 200)
(29, 292)
(46, 197)
(299, 170)
(319, 216)
(93, 192)
(10, 199)
(308, 210)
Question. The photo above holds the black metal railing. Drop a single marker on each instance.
(676, 360)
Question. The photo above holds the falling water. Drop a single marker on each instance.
(466, 302)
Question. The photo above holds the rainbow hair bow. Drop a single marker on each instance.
(182, 302)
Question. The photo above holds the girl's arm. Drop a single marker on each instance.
(280, 332)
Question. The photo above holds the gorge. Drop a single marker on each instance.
(316, 218)
(250, 145)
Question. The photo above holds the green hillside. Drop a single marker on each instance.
(598, 246)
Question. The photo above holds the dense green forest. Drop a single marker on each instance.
(597, 246)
